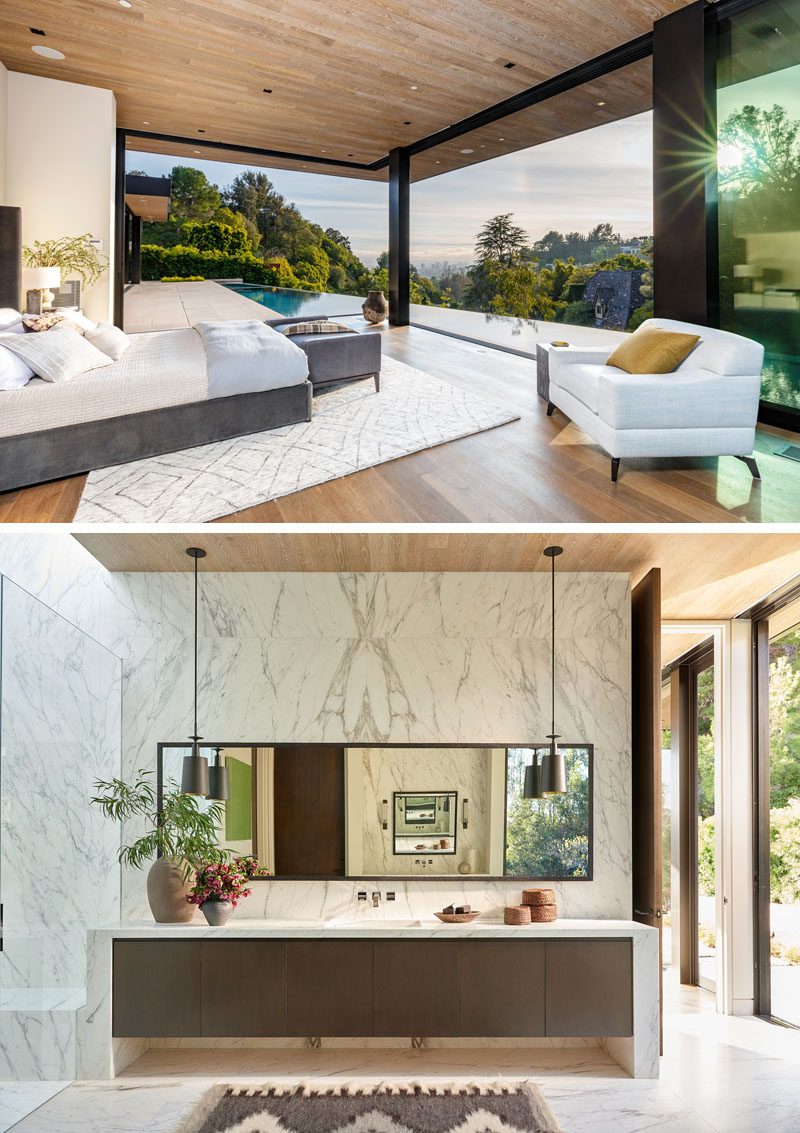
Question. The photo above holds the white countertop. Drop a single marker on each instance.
(376, 927)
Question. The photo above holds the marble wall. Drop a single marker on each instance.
(60, 712)
(373, 658)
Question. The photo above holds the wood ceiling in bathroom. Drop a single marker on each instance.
(705, 575)
(344, 81)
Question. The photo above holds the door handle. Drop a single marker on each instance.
(647, 913)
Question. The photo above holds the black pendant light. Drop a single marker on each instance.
(194, 779)
(532, 785)
(219, 785)
(554, 770)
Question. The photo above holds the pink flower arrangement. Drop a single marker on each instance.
(223, 881)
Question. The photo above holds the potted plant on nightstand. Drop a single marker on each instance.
(182, 833)
(73, 255)
(219, 886)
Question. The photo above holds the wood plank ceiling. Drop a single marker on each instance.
(344, 81)
(705, 575)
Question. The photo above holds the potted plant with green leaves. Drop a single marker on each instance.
(219, 887)
(183, 833)
(75, 256)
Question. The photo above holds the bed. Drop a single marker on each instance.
(169, 391)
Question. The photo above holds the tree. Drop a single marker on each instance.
(336, 236)
(759, 148)
(193, 195)
(501, 240)
(548, 837)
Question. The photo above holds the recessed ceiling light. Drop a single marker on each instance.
(437, 162)
(502, 139)
(601, 103)
(201, 131)
(125, 3)
(196, 151)
(145, 123)
(406, 123)
(468, 151)
(508, 66)
(36, 31)
(413, 87)
(47, 52)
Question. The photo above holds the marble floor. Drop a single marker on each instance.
(719, 1075)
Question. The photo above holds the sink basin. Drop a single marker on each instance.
(383, 924)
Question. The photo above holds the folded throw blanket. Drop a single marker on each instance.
(245, 356)
(319, 326)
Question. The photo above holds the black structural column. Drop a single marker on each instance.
(120, 229)
(684, 165)
(399, 234)
(136, 249)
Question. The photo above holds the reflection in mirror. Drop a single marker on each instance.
(425, 823)
(323, 811)
(548, 837)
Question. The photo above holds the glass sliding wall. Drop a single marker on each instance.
(758, 114)
(781, 818)
(541, 228)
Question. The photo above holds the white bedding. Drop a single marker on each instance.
(158, 370)
(245, 356)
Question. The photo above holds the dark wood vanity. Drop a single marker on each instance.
(361, 987)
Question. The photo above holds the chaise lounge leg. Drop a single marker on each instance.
(550, 408)
(750, 461)
(377, 378)
(614, 468)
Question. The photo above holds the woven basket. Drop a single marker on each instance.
(538, 897)
(542, 914)
(517, 914)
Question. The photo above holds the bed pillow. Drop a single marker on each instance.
(110, 339)
(57, 355)
(14, 372)
(8, 317)
(78, 319)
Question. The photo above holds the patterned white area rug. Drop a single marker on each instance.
(352, 427)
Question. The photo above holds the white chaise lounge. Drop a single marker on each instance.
(706, 407)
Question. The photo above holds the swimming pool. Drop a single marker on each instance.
(289, 302)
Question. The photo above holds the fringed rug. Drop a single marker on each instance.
(412, 1107)
(352, 428)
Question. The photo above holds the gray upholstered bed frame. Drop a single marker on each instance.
(55, 453)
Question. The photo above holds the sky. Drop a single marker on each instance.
(570, 184)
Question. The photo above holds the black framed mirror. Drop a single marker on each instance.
(399, 811)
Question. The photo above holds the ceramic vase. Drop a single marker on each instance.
(167, 890)
(375, 307)
(217, 912)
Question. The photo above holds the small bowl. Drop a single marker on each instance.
(457, 918)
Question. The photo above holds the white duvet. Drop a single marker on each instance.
(245, 356)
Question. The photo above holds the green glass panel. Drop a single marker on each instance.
(758, 115)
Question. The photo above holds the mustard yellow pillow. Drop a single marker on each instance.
(651, 350)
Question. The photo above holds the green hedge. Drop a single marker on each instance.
(182, 262)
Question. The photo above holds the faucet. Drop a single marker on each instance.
(376, 900)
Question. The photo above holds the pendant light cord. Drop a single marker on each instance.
(195, 737)
(553, 647)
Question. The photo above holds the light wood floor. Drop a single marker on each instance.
(537, 469)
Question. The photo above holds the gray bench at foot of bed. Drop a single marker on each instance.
(52, 454)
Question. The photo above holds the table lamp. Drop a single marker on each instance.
(42, 280)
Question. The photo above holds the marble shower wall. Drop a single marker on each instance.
(61, 730)
(373, 658)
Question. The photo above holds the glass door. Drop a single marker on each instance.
(758, 113)
(779, 823)
(705, 833)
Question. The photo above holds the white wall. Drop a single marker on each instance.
(3, 131)
(60, 167)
